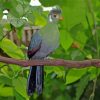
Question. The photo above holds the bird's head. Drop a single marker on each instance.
(55, 15)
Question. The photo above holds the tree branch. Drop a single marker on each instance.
(52, 62)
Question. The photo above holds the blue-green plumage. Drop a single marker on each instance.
(43, 42)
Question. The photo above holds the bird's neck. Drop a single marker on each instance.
(50, 20)
(53, 22)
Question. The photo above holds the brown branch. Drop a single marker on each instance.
(52, 62)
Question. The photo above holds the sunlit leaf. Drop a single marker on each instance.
(18, 96)
(74, 75)
(65, 39)
(20, 86)
(11, 49)
(6, 91)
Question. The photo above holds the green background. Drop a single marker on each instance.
(79, 40)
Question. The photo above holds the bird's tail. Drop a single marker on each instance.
(35, 80)
(39, 79)
(31, 81)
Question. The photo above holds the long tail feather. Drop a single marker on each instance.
(31, 81)
(39, 79)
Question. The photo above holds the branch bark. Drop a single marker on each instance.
(52, 62)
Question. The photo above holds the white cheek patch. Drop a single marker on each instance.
(50, 19)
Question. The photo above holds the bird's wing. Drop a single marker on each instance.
(35, 44)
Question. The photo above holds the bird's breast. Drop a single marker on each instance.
(50, 40)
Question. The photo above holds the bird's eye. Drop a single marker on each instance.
(55, 15)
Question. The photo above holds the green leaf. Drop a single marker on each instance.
(19, 9)
(75, 74)
(2, 64)
(76, 54)
(60, 71)
(19, 32)
(23, 2)
(81, 86)
(36, 16)
(93, 72)
(65, 39)
(1, 34)
(31, 18)
(11, 5)
(5, 80)
(11, 49)
(15, 68)
(48, 70)
(6, 91)
(20, 86)
(18, 96)
(17, 22)
(39, 20)
(73, 12)
(53, 2)
(5, 71)
(7, 27)
(81, 38)
(78, 35)
(1, 14)
(7, 4)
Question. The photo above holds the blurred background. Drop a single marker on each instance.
(79, 40)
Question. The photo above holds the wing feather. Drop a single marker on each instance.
(35, 44)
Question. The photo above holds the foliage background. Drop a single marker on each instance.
(79, 40)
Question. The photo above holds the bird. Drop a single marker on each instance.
(43, 42)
